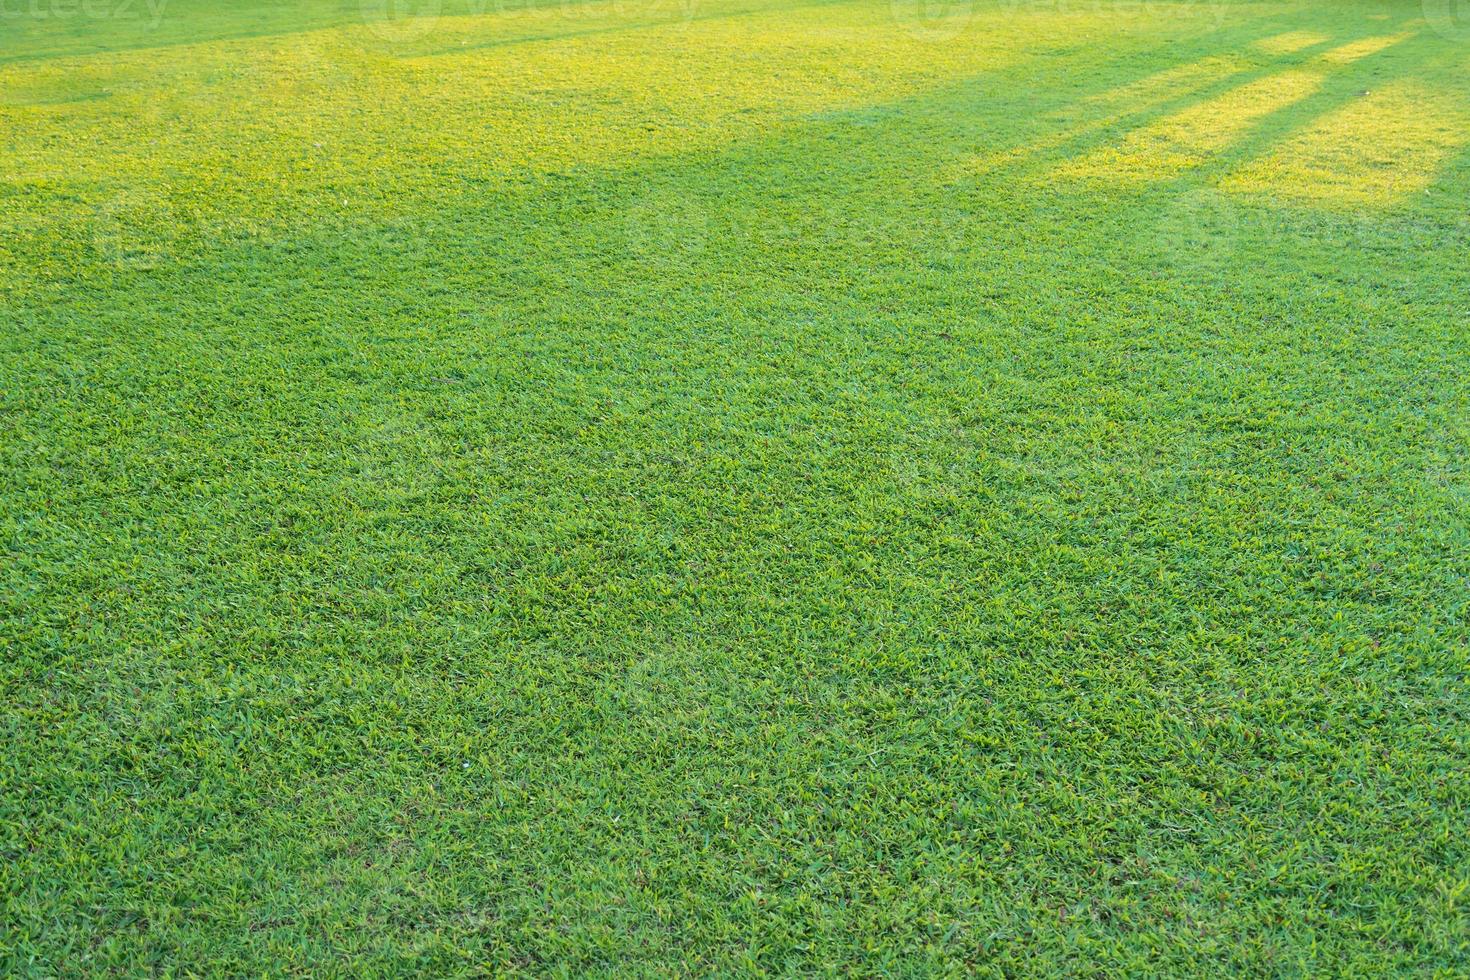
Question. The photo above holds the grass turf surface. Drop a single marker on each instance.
(735, 486)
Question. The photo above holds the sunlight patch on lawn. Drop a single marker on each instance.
(1189, 138)
(1118, 106)
(1348, 53)
(1290, 42)
(338, 126)
(1376, 150)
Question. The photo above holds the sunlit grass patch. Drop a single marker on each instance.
(1108, 110)
(1188, 138)
(1376, 150)
(294, 128)
(1346, 54)
(1291, 41)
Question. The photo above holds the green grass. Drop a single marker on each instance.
(763, 486)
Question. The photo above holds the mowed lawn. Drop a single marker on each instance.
(734, 486)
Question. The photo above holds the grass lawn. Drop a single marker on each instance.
(734, 486)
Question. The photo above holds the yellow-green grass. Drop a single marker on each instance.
(734, 486)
